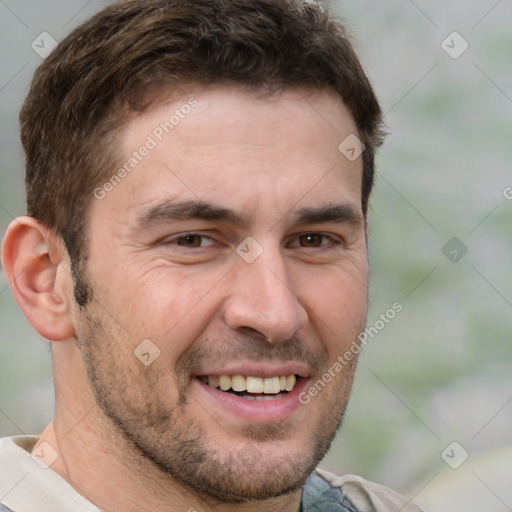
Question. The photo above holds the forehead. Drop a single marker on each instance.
(239, 149)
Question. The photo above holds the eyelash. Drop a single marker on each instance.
(331, 240)
(174, 240)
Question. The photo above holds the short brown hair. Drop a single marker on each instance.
(87, 86)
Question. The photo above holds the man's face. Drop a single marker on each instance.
(235, 247)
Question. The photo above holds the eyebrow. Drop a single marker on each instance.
(339, 213)
(200, 210)
(186, 210)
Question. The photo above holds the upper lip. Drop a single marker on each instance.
(257, 370)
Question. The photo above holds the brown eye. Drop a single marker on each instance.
(311, 240)
(191, 240)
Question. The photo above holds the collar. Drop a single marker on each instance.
(26, 485)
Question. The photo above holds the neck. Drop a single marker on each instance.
(108, 471)
(113, 481)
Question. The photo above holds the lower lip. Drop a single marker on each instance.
(255, 411)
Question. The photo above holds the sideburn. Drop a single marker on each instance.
(81, 287)
(74, 237)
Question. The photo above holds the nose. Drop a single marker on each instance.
(261, 298)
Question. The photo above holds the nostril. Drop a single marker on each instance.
(252, 333)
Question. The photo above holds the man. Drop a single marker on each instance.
(198, 176)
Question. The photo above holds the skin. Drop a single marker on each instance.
(133, 437)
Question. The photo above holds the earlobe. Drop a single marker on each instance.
(36, 265)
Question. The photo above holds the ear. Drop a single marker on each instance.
(37, 268)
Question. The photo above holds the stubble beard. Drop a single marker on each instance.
(177, 447)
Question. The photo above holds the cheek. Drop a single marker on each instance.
(340, 308)
(349, 304)
(171, 306)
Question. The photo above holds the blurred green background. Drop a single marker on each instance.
(440, 372)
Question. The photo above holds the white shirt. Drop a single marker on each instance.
(26, 485)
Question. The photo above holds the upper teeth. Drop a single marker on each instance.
(270, 385)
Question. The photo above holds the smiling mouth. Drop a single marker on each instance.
(252, 388)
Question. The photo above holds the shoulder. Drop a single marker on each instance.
(350, 493)
(29, 484)
(14, 460)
